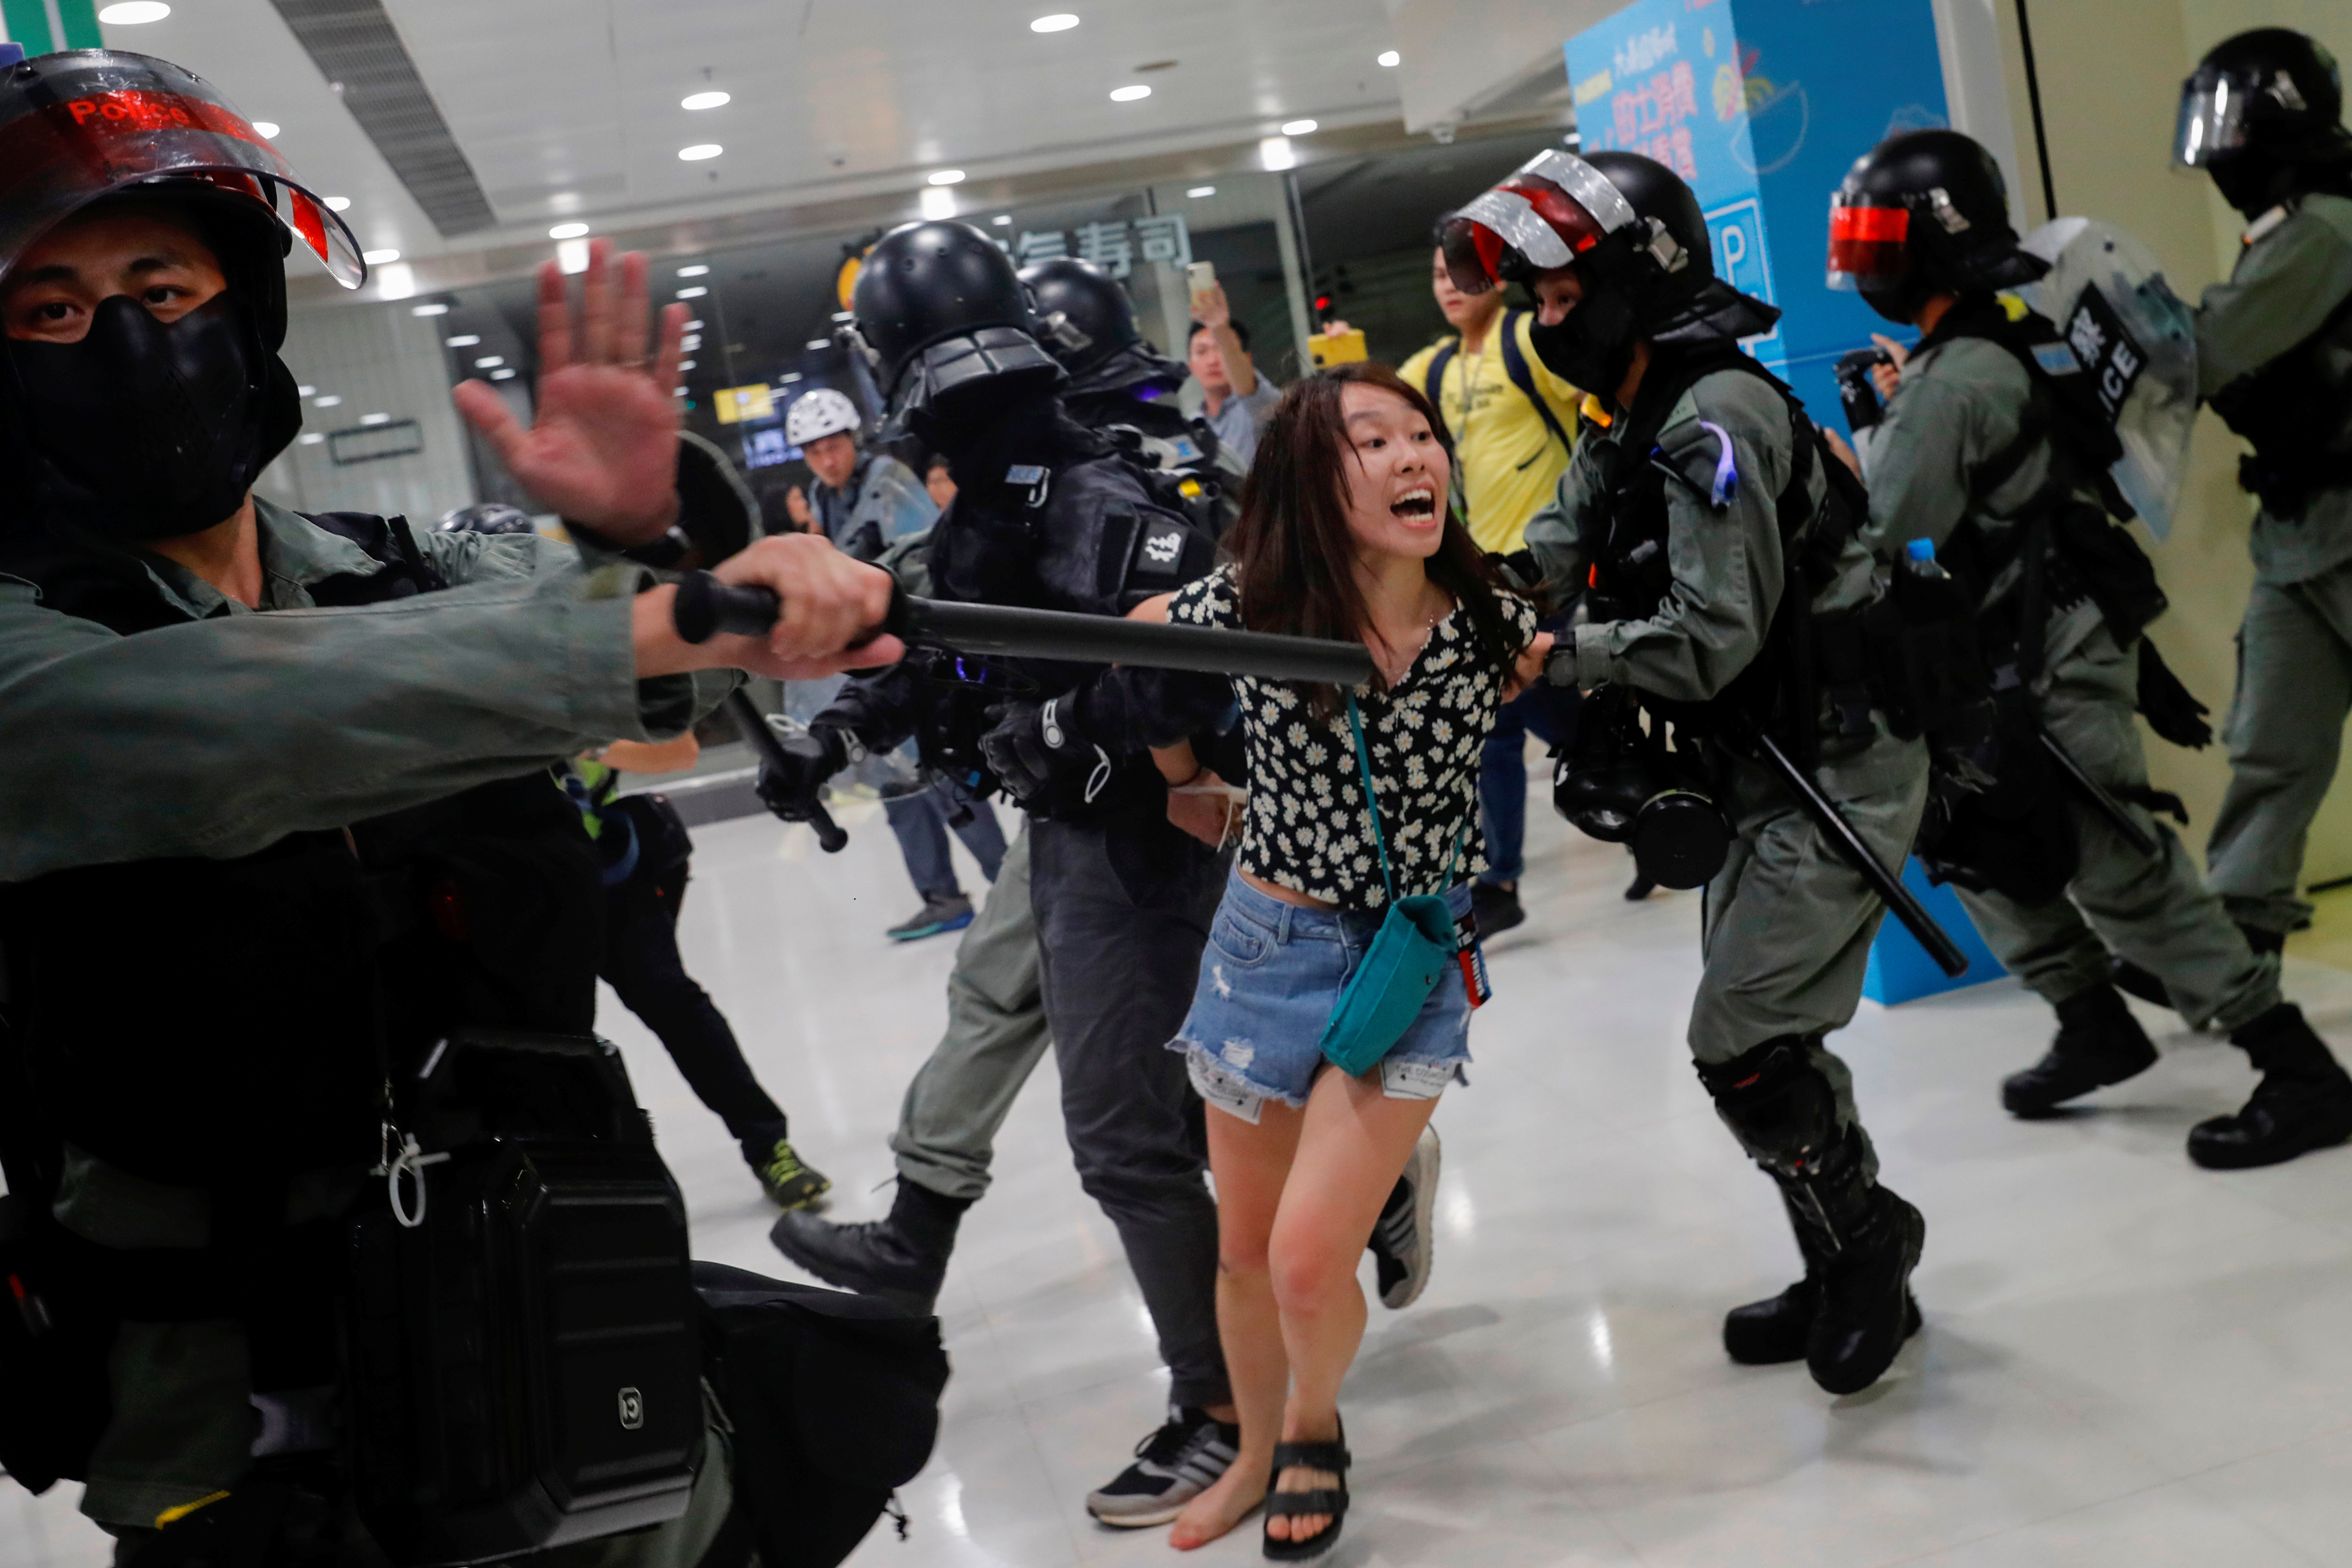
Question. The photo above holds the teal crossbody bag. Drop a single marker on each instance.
(1410, 954)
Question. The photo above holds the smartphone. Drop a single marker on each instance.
(1201, 277)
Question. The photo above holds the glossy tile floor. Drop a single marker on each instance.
(2125, 1361)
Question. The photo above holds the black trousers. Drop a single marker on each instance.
(642, 965)
(1123, 910)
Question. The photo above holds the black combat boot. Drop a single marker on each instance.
(1860, 1246)
(902, 1259)
(1780, 1329)
(2304, 1102)
(2099, 1043)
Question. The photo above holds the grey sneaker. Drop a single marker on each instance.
(1403, 1239)
(1173, 1466)
(937, 916)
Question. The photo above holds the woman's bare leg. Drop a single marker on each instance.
(1353, 1145)
(1251, 1164)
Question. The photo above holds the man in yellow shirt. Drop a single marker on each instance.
(1512, 422)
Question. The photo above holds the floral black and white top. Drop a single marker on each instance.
(1307, 828)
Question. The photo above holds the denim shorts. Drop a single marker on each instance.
(1270, 977)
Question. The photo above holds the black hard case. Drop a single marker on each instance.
(523, 1366)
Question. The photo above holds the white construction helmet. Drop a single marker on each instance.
(819, 413)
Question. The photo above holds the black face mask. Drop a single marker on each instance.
(2250, 181)
(1593, 347)
(143, 430)
(1899, 299)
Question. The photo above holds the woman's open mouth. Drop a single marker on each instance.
(1416, 506)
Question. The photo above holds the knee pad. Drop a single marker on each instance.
(1778, 1101)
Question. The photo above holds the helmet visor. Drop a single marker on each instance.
(83, 124)
(2212, 120)
(1552, 209)
(1866, 242)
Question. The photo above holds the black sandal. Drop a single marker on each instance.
(1332, 1456)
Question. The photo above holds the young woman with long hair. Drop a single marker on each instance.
(1345, 532)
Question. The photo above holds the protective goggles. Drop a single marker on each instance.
(2214, 114)
(1553, 209)
(1866, 242)
(87, 123)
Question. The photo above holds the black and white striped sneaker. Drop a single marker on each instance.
(1403, 1239)
(1173, 1466)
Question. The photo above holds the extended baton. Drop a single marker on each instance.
(752, 725)
(1859, 854)
(706, 606)
(2089, 788)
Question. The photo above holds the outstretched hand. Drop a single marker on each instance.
(603, 452)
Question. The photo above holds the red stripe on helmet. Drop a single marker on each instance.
(1878, 225)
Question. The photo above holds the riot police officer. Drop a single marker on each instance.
(1048, 514)
(2263, 115)
(1698, 510)
(1120, 387)
(235, 884)
(2000, 465)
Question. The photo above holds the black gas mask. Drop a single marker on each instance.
(143, 430)
(1622, 783)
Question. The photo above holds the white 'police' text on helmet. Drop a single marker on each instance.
(819, 413)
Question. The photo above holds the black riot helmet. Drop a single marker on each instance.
(1922, 213)
(2263, 113)
(140, 429)
(940, 308)
(1633, 232)
(1086, 320)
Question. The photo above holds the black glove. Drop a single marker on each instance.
(1039, 756)
(813, 755)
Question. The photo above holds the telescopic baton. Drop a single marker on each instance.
(705, 607)
(2089, 788)
(752, 725)
(1857, 854)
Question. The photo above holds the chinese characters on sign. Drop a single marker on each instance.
(1649, 117)
(1115, 247)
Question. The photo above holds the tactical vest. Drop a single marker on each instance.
(2297, 412)
(1631, 574)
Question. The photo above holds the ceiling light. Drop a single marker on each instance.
(1274, 153)
(436, 309)
(713, 100)
(1298, 128)
(304, 391)
(947, 177)
(691, 342)
(1002, 220)
(327, 401)
(375, 418)
(1197, 191)
(490, 362)
(313, 439)
(338, 203)
(1129, 94)
(395, 282)
(130, 13)
(571, 257)
(378, 258)
(506, 374)
(686, 365)
(697, 293)
(698, 152)
(265, 129)
(820, 342)
(697, 270)
(788, 377)
(937, 203)
(567, 231)
(462, 341)
(1060, 22)
(694, 326)
(1391, 59)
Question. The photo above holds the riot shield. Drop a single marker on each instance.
(2107, 293)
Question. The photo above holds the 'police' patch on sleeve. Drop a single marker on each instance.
(1162, 554)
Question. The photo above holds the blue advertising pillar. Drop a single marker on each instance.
(1762, 106)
